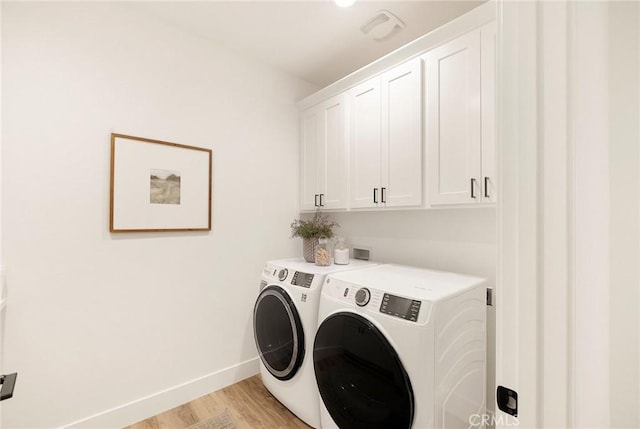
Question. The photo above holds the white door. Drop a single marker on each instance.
(453, 120)
(402, 135)
(365, 144)
(333, 161)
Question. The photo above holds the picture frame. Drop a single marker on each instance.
(159, 186)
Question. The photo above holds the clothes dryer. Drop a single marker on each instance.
(285, 318)
(400, 347)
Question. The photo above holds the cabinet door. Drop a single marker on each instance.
(309, 135)
(402, 135)
(324, 157)
(334, 158)
(365, 144)
(453, 121)
(488, 94)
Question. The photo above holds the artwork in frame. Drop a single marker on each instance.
(159, 186)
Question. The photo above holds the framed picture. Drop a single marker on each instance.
(159, 186)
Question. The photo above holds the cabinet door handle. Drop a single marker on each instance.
(315, 200)
(486, 187)
(321, 195)
(473, 185)
(382, 194)
(375, 195)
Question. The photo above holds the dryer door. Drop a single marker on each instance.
(278, 332)
(360, 377)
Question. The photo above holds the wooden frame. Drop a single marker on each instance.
(159, 186)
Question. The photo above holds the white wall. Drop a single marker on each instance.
(624, 135)
(97, 320)
(460, 240)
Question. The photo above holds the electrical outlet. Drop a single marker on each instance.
(361, 253)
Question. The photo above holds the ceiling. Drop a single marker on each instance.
(314, 40)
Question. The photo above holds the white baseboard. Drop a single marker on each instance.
(159, 402)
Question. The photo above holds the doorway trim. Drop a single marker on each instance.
(553, 237)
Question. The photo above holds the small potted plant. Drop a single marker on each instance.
(319, 226)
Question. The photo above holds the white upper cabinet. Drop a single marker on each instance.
(386, 140)
(460, 119)
(365, 141)
(309, 126)
(375, 146)
(453, 128)
(402, 135)
(324, 157)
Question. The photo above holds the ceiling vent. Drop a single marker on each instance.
(382, 26)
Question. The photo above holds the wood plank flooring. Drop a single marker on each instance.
(249, 403)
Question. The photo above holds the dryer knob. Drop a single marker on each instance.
(363, 296)
(282, 274)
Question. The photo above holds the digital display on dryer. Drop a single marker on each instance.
(404, 308)
(302, 279)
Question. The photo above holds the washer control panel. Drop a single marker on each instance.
(289, 276)
(302, 279)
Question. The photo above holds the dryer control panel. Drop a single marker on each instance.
(405, 308)
(377, 301)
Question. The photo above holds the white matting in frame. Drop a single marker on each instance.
(159, 186)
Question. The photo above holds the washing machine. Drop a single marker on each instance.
(285, 318)
(400, 347)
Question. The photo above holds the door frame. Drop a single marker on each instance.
(552, 215)
(517, 337)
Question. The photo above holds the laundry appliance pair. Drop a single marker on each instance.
(368, 346)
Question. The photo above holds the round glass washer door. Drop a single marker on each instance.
(361, 380)
(278, 332)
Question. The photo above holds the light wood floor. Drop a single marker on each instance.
(249, 402)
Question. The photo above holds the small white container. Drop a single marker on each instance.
(341, 253)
